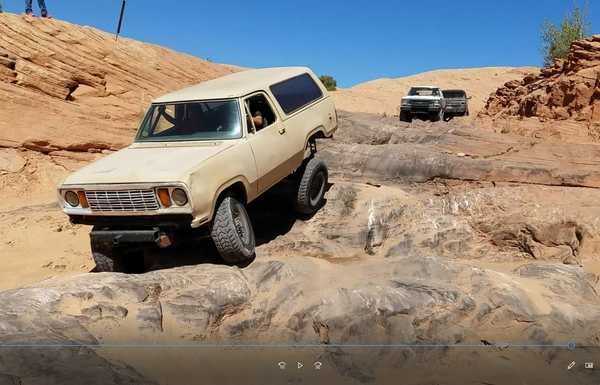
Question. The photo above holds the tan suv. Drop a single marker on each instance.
(200, 155)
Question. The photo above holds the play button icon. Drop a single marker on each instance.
(300, 365)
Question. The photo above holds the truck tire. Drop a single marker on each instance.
(405, 117)
(107, 259)
(436, 117)
(232, 232)
(311, 188)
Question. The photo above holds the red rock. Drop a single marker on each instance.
(68, 87)
(566, 90)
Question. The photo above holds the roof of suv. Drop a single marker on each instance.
(233, 85)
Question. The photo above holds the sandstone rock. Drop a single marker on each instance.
(11, 161)
(562, 91)
(77, 76)
(420, 153)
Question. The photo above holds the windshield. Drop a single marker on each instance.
(454, 94)
(418, 91)
(202, 120)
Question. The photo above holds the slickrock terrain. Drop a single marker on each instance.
(67, 87)
(432, 233)
(71, 92)
(382, 96)
(564, 97)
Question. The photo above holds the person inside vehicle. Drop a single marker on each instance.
(260, 122)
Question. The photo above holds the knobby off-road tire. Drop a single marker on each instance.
(311, 188)
(232, 232)
(405, 117)
(107, 259)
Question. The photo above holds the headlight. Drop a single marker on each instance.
(406, 103)
(179, 197)
(72, 198)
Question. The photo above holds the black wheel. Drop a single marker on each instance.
(107, 258)
(311, 188)
(436, 117)
(232, 232)
(405, 117)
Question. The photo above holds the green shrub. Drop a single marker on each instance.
(558, 38)
(329, 82)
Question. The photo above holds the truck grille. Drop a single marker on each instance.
(122, 200)
(420, 103)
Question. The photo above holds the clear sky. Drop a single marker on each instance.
(352, 40)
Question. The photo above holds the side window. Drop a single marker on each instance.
(295, 93)
(261, 112)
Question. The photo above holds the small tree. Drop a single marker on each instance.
(329, 82)
(558, 38)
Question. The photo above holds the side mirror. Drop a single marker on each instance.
(469, 97)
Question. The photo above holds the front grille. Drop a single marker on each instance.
(420, 103)
(122, 200)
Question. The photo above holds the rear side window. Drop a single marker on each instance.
(295, 93)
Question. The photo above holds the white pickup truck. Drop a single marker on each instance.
(426, 102)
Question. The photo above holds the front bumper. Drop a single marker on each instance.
(118, 237)
(420, 109)
(171, 221)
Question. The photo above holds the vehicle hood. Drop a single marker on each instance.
(419, 97)
(148, 162)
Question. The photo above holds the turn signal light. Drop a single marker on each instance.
(82, 199)
(164, 197)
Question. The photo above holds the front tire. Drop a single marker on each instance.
(232, 232)
(437, 116)
(405, 117)
(107, 259)
(311, 189)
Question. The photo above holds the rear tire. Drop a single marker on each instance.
(232, 232)
(311, 188)
(405, 117)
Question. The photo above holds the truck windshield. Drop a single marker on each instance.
(454, 94)
(202, 120)
(418, 91)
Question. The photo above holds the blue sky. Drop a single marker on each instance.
(352, 40)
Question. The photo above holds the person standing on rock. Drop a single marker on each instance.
(41, 4)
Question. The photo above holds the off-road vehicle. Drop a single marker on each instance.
(425, 102)
(456, 103)
(200, 155)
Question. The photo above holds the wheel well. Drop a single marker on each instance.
(317, 135)
(238, 190)
(312, 140)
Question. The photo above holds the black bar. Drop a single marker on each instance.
(120, 19)
(116, 237)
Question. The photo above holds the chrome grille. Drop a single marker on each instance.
(421, 103)
(122, 200)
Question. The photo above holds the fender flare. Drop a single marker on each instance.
(240, 179)
(318, 132)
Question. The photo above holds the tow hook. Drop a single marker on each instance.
(163, 240)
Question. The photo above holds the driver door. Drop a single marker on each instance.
(269, 142)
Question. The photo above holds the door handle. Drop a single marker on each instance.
(282, 131)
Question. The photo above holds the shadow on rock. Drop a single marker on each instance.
(272, 215)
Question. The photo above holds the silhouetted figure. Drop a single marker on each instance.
(0, 6)
(41, 4)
